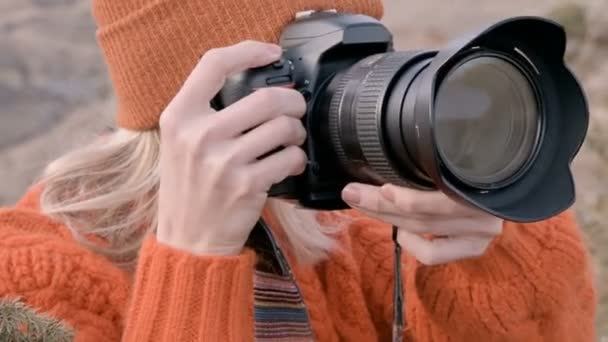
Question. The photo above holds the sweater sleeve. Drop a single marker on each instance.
(49, 273)
(182, 297)
(175, 296)
(533, 284)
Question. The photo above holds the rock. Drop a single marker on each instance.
(22, 103)
(19, 107)
(48, 66)
(41, 27)
(53, 3)
(13, 71)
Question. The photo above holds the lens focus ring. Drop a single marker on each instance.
(369, 108)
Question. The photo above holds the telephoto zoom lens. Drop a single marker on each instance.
(493, 121)
(486, 119)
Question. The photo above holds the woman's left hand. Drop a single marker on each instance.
(456, 231)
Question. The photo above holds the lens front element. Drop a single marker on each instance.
(486, 120)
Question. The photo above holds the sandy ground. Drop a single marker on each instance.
(54, 91)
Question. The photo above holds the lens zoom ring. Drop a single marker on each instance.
(369, 110)
(334, 122)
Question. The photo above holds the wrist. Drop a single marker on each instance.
(200, 247)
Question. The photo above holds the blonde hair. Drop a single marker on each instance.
(106, 193)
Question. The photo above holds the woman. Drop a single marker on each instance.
(150, 234)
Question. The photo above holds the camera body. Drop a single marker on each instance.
(317, 47)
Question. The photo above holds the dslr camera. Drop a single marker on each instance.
(494, 119)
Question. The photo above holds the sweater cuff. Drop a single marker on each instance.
(179, 296)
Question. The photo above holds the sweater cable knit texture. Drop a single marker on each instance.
(518, 291)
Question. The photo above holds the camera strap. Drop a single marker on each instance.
(398, 315)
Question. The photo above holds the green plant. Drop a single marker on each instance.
(20, 323)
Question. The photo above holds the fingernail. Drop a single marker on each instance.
(386, 191)
(351, 194)
(276, 50)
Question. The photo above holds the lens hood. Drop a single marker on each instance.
(546, 188)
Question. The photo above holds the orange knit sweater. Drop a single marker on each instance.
(534, 284)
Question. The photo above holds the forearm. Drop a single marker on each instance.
(181, 297)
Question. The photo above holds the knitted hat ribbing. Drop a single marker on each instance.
(151, 46)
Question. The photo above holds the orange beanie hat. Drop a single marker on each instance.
(151, 46)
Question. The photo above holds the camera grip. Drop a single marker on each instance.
(237, 86)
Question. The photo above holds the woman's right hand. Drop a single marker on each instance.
(213, 187)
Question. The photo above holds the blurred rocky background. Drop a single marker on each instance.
(55, 93)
